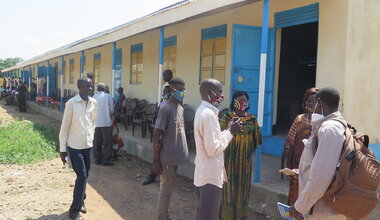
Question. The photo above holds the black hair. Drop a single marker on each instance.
(120, 89)
(238, 94)
(177, 81)
(101, 87)
(330, 97)
(168, 72)
(82, 80)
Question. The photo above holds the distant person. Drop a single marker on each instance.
(238, 160)
(169, 145)
(103, 127)
(293, 148)
(91, 76)
(319, 160)
(76, 136)
(22, 92)
(41, 86)
(210, 144)
(107, 89)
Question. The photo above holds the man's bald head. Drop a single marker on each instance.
(83, 81)
(208, 85)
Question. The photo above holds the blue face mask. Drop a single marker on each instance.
(179, 94)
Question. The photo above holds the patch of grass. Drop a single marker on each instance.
(24, 142)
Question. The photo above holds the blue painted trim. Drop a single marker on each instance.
(297, 16)
(137, 48)
(119, 58)
(162, 32)
(214, 32)
(82, 59)
(30, 80)
(62, 71)
(264, 47)
(47, 86)
(97, 56)
(113, 55)
(170, 41)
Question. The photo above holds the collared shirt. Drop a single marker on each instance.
(78, 124)
(104, 110)
(210, 144)
(317, 171)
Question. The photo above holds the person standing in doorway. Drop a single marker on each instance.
(103, 127)
(210, 144)
(169, 145)
(167, 75)
(91, 76)
(41, 85)
(76, 137)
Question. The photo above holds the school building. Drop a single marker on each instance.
(295, 44)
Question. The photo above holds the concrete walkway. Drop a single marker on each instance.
(264, 195)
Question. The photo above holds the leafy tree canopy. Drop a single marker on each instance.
(8, 62)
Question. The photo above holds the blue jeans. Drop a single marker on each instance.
(80, 161)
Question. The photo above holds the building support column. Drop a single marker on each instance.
(62, 70)
(30, 83)
(82, 65)
(263, 64)
(37, 77)
(113, 70)
(47, 84)
(161, 61)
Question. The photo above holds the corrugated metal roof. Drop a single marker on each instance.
(168, 8)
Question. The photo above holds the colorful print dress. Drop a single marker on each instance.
(238, 164)
(300, 129)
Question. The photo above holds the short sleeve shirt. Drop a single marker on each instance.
(174, 147)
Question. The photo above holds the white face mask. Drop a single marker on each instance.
(315, 116)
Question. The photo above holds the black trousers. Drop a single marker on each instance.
(103, 144)
(209, 197)
(22, 103)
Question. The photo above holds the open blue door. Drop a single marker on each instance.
(245, 69)
(52, 81)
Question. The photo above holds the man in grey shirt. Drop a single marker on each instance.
(169, 144)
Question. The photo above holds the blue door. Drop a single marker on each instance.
(42, 71)
(245, 69)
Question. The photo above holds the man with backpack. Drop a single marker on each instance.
(338, 175)
(317, 167)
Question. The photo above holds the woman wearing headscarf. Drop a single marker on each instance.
(299, 130)
(238, 160)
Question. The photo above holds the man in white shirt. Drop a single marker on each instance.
(41, 85)
(210, 143)
(76, 136)
(318, 163)
(103, 127)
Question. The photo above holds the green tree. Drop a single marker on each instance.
(8, 62)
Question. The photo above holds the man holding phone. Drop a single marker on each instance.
(210, 144)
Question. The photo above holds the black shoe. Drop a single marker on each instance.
(149, 180)
(97, 162)
(83, 209)
(75, 216)
(106, 164)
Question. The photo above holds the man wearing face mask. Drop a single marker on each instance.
(169, 144)
(210, 143)
(320, 158)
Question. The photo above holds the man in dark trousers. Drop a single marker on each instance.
(76, 136)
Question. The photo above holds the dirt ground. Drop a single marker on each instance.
(44, 190)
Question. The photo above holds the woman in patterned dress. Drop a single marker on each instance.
(238, 160)
(293, 147)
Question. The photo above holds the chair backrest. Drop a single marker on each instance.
(150, 111)
(131, 107)
(142, 104)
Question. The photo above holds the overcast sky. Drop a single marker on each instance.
(31, 27)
